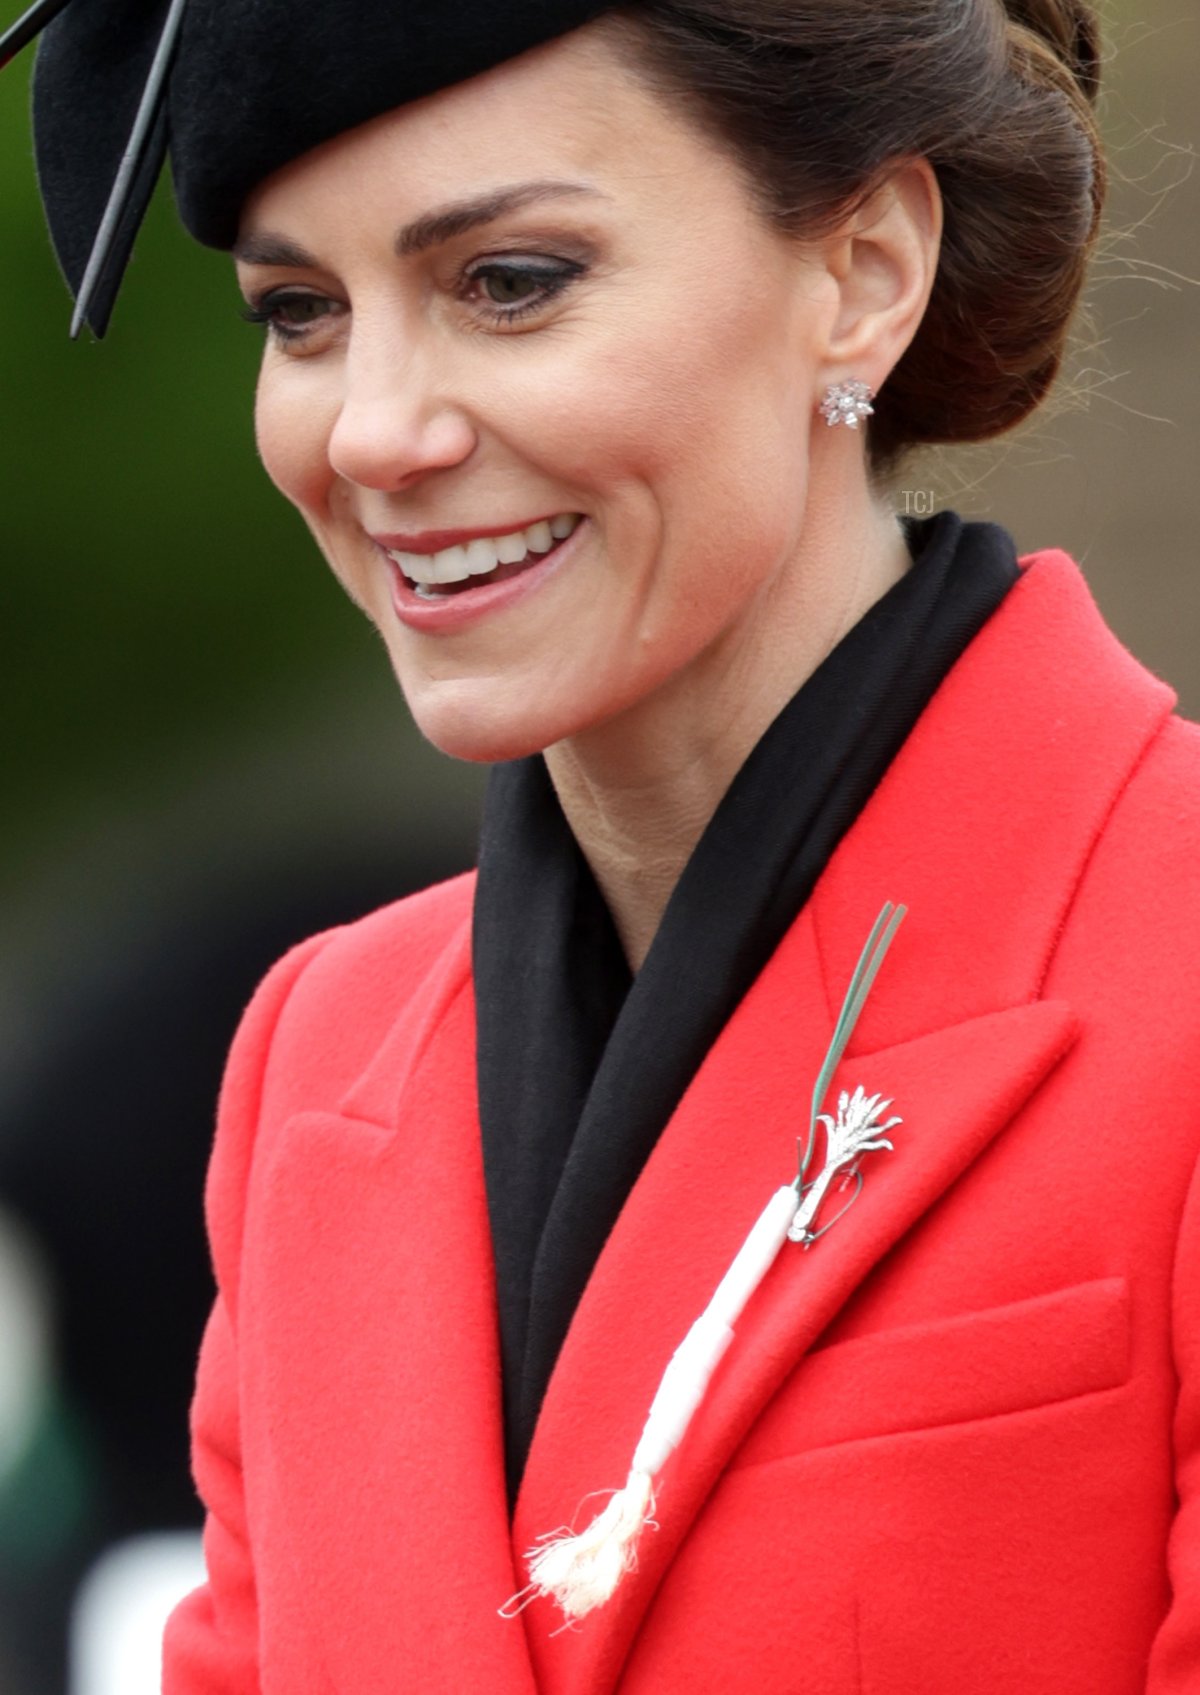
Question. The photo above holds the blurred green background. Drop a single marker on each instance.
(196, 726)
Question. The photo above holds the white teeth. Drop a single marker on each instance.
(450, 564)
(417, 567)
(483, 556)
(510, 550)
(477, 558)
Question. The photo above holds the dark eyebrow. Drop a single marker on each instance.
(446, 222)
(272, 250)
(429, 230)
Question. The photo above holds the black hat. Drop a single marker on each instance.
(233, 89)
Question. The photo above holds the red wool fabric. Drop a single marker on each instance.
(955, 1446)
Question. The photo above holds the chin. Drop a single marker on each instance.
(486, 718)
(473, 725)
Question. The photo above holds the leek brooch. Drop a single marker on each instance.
(579, 1571)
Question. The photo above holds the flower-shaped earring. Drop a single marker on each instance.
(845, 403)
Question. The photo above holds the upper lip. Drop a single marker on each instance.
(433, 541)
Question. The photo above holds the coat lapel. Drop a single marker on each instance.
(986, 820)
(1045, 702)
(378, 1368)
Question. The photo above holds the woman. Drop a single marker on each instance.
(590, 341)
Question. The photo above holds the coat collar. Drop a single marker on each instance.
(985, 822)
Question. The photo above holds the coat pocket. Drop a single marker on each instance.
(1007, 1359)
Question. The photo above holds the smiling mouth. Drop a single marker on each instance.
(486, 560)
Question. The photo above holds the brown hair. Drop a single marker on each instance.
(817, 98)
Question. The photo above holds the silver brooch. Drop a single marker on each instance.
(854, 1132)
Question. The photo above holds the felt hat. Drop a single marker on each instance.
(232, 90)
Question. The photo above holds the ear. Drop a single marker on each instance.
(882, 260)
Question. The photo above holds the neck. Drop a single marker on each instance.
(639, 790)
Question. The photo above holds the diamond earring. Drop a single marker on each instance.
(845, 403)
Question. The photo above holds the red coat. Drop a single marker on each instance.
(955, 1447)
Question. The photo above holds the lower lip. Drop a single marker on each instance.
(456, 611)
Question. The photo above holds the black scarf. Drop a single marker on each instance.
(580, 1064)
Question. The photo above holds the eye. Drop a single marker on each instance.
(289, 314)
(512, 289)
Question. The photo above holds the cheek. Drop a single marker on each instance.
(705, 401)
(292, 435)
(292, 431)
(704, 440)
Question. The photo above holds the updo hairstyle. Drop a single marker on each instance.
(818, 98)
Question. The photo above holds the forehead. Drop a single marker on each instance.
(572, 110)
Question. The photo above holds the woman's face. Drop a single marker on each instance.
(532, 335)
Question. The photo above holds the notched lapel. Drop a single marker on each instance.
(432, 1018)
(956, 1090)
(369, 1329)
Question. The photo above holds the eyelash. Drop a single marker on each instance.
(552, 278)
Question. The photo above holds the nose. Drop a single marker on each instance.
(397, 420)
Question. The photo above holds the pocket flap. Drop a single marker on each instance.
(1007, 1359)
